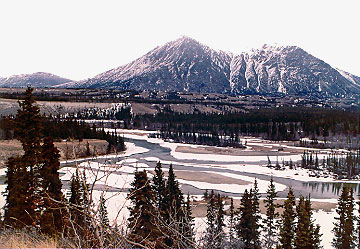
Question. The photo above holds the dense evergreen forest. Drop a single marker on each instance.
(288, 124)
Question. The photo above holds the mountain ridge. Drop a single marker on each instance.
(38, 79)
(187, 65)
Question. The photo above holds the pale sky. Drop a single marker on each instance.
(78, 39)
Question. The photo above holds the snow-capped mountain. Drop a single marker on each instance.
(180, 65)
(290, 70)
(187, 65)
(39, 79)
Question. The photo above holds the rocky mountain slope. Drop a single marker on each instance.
(39, 79)
(187, 65)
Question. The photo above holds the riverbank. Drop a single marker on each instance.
(68, 149)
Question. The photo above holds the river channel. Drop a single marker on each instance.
(316, 189)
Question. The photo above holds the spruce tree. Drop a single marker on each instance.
(15, 192)
(270, 226)
(210, 235)
(188, 221)
(219, 223)
(344, 227)
(54, 211)
(307, 235)
(287, 227)
(175, 211)
(76, 208)
(159, 186)
(231, 224)
(256, 223)
(245, 224)
(23, 209)
(103, 214)
(104, 221)
(174, 195)
(143, 226)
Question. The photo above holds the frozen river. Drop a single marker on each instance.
(316, 189)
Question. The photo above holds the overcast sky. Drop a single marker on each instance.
(79, 39)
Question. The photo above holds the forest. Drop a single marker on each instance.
(285, 124)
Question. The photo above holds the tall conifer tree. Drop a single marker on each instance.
(344, 229)
(24, 209)
(245, 225)
(210, 234)
(143, 226)
(159, 186)
(54, 212)
(287, 227)
(256, 224)
(270, 223)
(307, 234)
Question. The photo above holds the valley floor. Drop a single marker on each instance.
(197, 168)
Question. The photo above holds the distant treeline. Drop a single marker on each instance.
(270, 123)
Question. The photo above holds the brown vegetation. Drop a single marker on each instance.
(10, 148)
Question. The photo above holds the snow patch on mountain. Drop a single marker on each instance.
(187, 65)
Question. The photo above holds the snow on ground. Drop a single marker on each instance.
(103, 176)
(230, 188)
(2, 198)
(251, 141)
(262, 185)
(131, 149)
(326, 222)
(116, 204)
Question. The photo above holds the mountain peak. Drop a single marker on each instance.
(185, 39)
(182, 43)
(187, 65)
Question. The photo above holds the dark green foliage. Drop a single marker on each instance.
(103, 214)
(189, 235)
(270, 123)
(256, 223)
(23, 209)
(210, 235)
(77, 210)
(219, 223)
(270, 226)
(54, 213)
(245, 228)
(174, 196)
(175, 212)
(124, 113)
(159, 186)
(231, 224)
(16, 193)
(344, 229)
(28, 127)
(75, 188)
(307, 235)
(105, 229)
(287, 225)
(143, 226)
